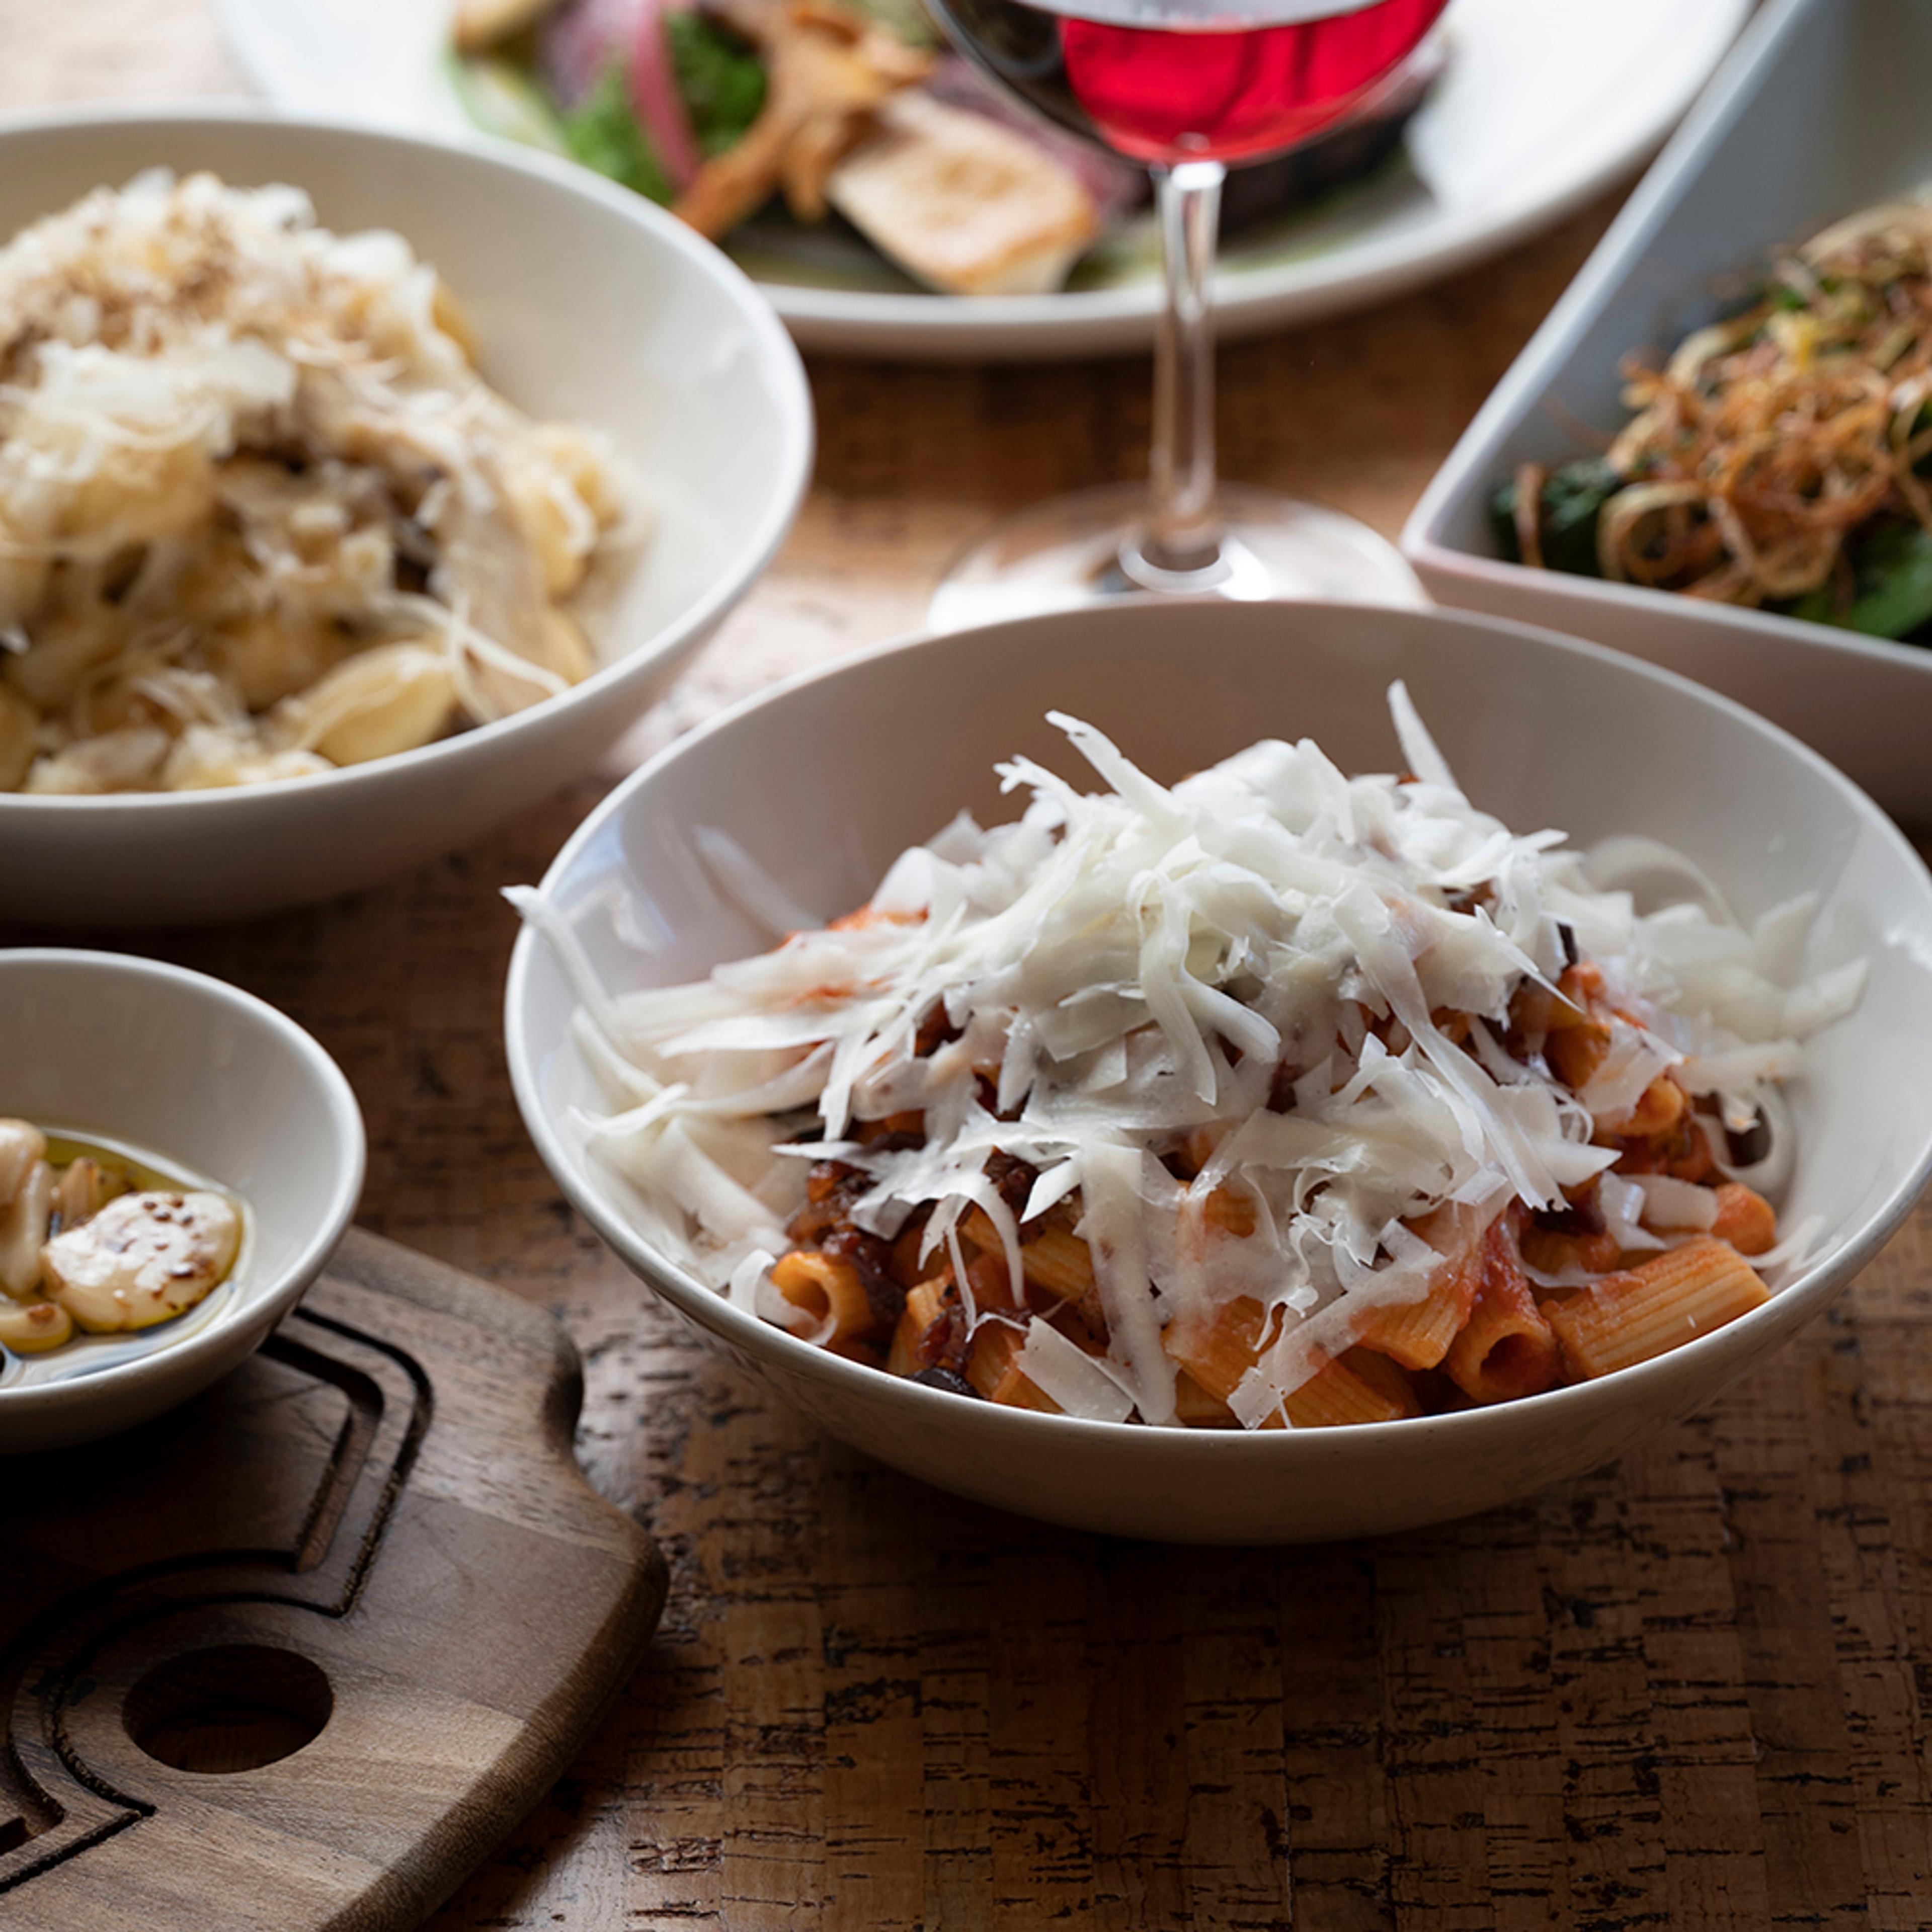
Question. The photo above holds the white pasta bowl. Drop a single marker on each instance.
(213, 1084)
(590, 305)
(824, 781)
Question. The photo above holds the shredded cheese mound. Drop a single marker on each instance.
(260, 513)
(1305, 978)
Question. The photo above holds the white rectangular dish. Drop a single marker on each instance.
(1820, 111)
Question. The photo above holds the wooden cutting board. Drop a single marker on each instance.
(298, 1655)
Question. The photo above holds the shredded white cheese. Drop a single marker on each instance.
(1118, 969)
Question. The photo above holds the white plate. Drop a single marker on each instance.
(1545, 102)
(822, 784)
(1820, 111)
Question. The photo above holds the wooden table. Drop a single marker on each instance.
(1692, 1691)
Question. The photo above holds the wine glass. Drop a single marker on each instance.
(1189, 87)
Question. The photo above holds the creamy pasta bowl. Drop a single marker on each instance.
(589, 306)
(823, 782)
(218, 1090)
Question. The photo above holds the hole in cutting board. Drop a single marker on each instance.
(234, 1707)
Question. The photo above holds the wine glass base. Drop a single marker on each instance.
(1083, 549)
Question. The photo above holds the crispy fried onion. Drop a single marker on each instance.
(1770, 437)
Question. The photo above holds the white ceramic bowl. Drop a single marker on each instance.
(591, 305)
(208, 1079)
(1819, 112)
(823, 781)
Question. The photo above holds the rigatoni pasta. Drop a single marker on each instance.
(1643, 1312)
(1274, 1099)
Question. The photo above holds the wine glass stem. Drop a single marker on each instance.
(1184, 529)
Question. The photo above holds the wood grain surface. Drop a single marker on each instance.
(1692, 1692)
(292, 1658)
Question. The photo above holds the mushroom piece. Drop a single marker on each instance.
(144, 1259)
(964, 204)
(828, 69)
(482, 23)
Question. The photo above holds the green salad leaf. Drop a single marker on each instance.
(721, 79)
(604, 133)
(1891, 567)
(1574, 497)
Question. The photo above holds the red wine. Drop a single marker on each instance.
(1165, 81)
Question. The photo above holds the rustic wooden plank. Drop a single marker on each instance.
(1872, 1536)
(1236, 1828)
(1783, 1594)
(1038, 1759)
(1433, 1744)
(1506, 1659)
(1140, 1797)
(1332, 1704)
(874, 1726)
(380, 1511)
(956, 1668)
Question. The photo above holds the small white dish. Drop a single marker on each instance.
(1817, 114)
(825, 780)
(1542, 106)
(591, 306)
(212, 1083)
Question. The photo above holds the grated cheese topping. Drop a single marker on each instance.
(1310, 974)
(260, 514)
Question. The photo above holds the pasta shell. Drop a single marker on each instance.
(268, 657)
(586, 462)
(148, 491)
(389, 699)
(73, 635)
(566, 650)
(19, 722)
(446, 310)
(207, 756)
(553, 519)
(22, 581)
(126, 760)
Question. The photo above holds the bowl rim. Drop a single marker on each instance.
(1806, 1292)
(262, 1311)
(777, 354)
